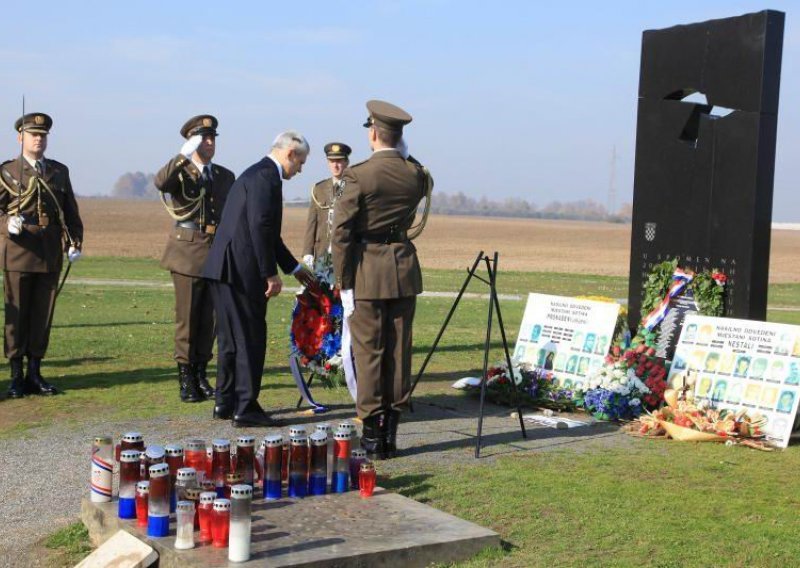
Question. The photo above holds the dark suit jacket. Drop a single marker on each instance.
(248, 247)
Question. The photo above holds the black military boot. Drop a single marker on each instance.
(371, 439)
(390, 424)
(34, 382)
(202, 380)
(17, 387)
(188, 382)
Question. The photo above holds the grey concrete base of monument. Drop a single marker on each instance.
(340, 530)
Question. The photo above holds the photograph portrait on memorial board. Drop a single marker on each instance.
(704, 387)
(785, 402)
(776, 371)
(705, 334)
(758, 368)
(572, 364)
(519, 354)
(548, 360)
(583, 366)
(752, 393)
(588, 344)
(769, 396)
(735, 393)
(690, 333)
(712, 362)
(785, 344)
(600, 348)
(720, 388)
(561, 361)
(742, 366)
(696, 362)
(679, 363)
(796, 348)
(567, 384)
(726, 363)
(577, 341)
(536, 332)
(793, 377)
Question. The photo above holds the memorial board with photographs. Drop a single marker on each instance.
(568, 336)
(744, 364)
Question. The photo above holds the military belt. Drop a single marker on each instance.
(383, 238)
(210, 229)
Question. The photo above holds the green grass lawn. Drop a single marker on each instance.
(660, 504)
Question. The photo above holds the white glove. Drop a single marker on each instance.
(348, 302)
(73, 254)
(191, 145)
(14, 225)
(308, 260)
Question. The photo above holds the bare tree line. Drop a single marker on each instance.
(138, 185)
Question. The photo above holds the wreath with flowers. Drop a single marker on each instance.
(315, 335)
(708, 288)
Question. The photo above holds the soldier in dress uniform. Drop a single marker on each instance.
(323, 197)
(40, 221)
(317, 242)
(378, 273)
(197, 189)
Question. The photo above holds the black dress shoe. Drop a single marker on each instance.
(372, 438)
(34, 382)
(17, 387)
(254, 420)
(391, 420)
(222, 412)
(188, 383)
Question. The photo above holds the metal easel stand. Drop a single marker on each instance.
(494, 305)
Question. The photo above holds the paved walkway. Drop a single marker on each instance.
(44, 475)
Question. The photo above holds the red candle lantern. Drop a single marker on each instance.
(245, 458)
(142, 494)
(220, 463)
(366, 479)
(195, 456)
(206, 514)
(221, 522)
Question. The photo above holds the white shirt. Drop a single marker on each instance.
(32, 162)
(200, 167)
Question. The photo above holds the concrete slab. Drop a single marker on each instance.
(341, 530)
(122, 550)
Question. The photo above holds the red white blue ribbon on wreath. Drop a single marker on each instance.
(680, 279)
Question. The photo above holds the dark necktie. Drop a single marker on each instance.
(206, 176)
(39, 168)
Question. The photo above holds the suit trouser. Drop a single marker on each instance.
(29, 300)
(381, 338)
(241, 346)
(194, 319)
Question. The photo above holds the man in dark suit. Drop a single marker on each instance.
(243, 267)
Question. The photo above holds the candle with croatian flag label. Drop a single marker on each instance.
(328, 430)
(273, 451)
(102, 470)
(220, 463)
(298, 467)
(158, 503)
(128, 478)
(340, 482)
(318, 475)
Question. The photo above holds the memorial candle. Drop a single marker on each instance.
(348, 427)
(327, 428)
(241, 503)
(285, 461)
(273, 452)
(151, 456)
(158, 502)
(185, 478)
(245, 458)
(220, 522)
(367, 478)
(174, 459)
(206, 513)
(195, 456)
(233, 478)
(220, 463)
(193, 494)
(100, 483)
(318, 474)
(184, 530)
(340, 483)
(130, 441)
(128, 478)
(142, 494)
(298, 467)
(357, 457)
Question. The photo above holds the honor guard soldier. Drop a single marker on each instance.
(378, 272)
(197, 189)
(40, 221)
(317, 242)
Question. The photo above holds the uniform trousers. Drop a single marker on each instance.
(29, 300)
(194, 319)
(241, 346)
(381, 338)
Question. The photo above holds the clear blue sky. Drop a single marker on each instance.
(509, 98)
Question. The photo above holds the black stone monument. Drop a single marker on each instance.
(704, 172)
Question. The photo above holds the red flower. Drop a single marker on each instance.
(719, 278)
